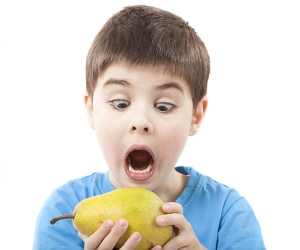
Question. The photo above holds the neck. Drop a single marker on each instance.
(169, 192)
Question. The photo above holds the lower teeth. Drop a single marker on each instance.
(147, 170)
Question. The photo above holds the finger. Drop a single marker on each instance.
(156, 248)
(172, 207)
(82, 236)
(115, 234)
(185, 240)
(96, 238)
(178, 242)
(177, 220)
(132, 242)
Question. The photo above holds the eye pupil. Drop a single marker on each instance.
(122, 105)
(164, 107)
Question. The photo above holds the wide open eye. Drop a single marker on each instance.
(120, 104)
(164, 107)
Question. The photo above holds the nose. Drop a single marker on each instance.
(140, 124)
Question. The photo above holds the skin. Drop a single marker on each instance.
(141, 107)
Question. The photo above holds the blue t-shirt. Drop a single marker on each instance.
(220, 217)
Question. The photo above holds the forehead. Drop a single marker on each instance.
(137, 75)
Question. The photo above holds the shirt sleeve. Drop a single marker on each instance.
(239, 227)
(61, 235)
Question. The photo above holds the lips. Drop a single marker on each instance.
(139, 163)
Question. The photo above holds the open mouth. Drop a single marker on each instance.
(139, 164)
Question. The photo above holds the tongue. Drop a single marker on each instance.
(139, 159)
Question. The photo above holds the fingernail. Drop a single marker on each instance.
(122, 223)
(109, 224)
(136, 236)
(167, 207)
(161, 220)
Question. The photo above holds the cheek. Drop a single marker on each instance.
(106, 132)
(107, 135)
(176, 138)
(109, 143)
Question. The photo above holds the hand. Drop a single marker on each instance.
(184, 236)
(106, 237)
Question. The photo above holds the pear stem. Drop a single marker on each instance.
(67, 216)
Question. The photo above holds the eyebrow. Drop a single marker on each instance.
(170, 85)
(117, 82)
(165, 86)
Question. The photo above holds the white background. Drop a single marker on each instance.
(249, 138)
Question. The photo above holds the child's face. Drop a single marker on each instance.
(142, 118)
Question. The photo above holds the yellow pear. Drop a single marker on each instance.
(138, 206)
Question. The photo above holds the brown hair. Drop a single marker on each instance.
(148, 36)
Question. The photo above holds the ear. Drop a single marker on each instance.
(88, 102)
(198, 116)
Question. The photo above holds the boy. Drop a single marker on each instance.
(146, 80)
